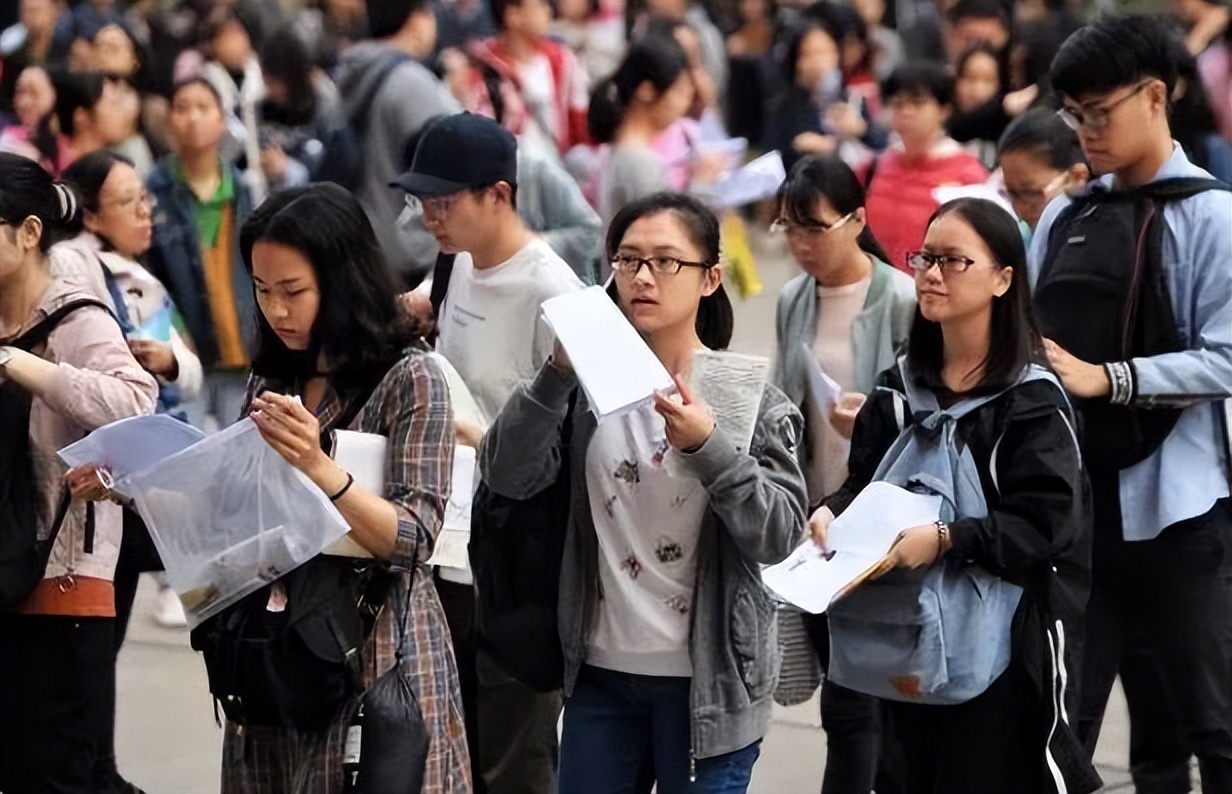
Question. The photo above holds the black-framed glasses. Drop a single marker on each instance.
(922, 262)
(809, 229)
(628, 265)
(1095, 117)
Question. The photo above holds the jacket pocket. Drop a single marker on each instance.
(753, 643)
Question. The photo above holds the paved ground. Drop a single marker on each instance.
(167, 741)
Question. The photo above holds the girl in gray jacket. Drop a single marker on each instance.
(667, 632)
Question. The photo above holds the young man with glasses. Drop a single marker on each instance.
(463, 180)
(1160, 613)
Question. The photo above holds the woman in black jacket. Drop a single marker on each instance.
(974, 335)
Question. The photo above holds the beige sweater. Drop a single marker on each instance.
(98, 381)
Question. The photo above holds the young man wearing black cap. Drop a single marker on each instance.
(464, 177)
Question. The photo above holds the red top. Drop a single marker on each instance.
(900, 198)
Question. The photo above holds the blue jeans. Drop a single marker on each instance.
(622, 732)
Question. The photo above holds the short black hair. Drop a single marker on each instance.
(1114, 52)
(715, 318)
(979, 9)
(1016, 339)
(1040, 132)
(74, 91)
(386, 17)
(88, 174)
(204, 83)
(27, 190)
(359, 326)
(920, 78)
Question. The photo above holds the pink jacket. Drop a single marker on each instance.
(98, 381)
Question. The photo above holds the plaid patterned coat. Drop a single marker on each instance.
(411, 408)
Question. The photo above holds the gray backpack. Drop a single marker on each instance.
(938, 635)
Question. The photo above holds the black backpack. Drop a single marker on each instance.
(516, 549)
(342, 159)
(23, 557)
(1102, 294)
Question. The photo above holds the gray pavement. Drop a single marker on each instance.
(167, 741)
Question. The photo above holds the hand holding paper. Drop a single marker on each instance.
(689, 420)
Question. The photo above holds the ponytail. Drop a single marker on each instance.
(656, 59)
(27, 190)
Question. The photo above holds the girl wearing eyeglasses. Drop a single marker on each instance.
(1040, 159)
(848, 315)
(667, 632)
(975, 335)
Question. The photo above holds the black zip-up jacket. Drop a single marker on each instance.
(1037, 535)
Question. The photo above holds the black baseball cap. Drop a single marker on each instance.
(459, 152)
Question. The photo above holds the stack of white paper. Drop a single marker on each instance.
(858, 539)
(824, 390)
(450, 549)
(754, 182)
(732, 384)
(616, 369)
(363, 455)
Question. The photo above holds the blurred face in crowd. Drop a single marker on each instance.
(1117, 127)
(1031, 182)
(231, 46)
(114, 52)
(196, 120)
(818, 57)
(33, 97)
(978, 82)
(753, 10)
(919, 119)
(40, 16)
(968, 32)
(668, 9)
(573, 10)
(288, 293)
(529, 18)
(665, 109)
(871, 11)
(123, 217)
(960, 291)
(820, 243)
(115, 115)
(655, 302)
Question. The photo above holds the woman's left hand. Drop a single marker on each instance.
(689, 420)
(291, 429)
(915, 548)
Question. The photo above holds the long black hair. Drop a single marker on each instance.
(1015, 339)
(814, 178)
(1041, 133)
(286, 56)
(715, 319)
(27, 190)
(659, 60)
(359, 327)
(74, 91)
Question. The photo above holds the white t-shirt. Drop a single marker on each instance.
(648, 517)
(538, 91)
(837, 310)
(491, 328)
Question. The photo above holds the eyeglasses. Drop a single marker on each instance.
(628, 265)
(441, 205)
(922, 261)
(130, 203)
(1094, 117)
(1045, 193)
(810, 229)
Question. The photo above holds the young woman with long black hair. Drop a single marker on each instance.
(667, 630)
(975, 336)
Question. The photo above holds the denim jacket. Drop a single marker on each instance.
(175, 260)
(756, 517)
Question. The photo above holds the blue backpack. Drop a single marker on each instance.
(938, 635)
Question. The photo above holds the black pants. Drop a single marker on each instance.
(458, 601)
(55, 680)
(994, 743)
(1161, 616)
(861, 753)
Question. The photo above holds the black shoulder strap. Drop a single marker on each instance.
(440, 281)
(1180, 188)
(41, 330)
(359, 117)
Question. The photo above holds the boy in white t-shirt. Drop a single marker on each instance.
(464, 176)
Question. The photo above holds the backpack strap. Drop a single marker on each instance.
(38, 333)
(1179, 188)
(359, 117)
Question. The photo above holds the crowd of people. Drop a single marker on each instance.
(1016, 267)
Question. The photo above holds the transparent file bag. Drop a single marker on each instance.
(229, 515)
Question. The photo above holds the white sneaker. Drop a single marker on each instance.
(169, 612)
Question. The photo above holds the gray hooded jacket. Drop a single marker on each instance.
(410, 96)
(755, 517)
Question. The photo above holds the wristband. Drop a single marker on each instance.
(943, 538)
(350, 481)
